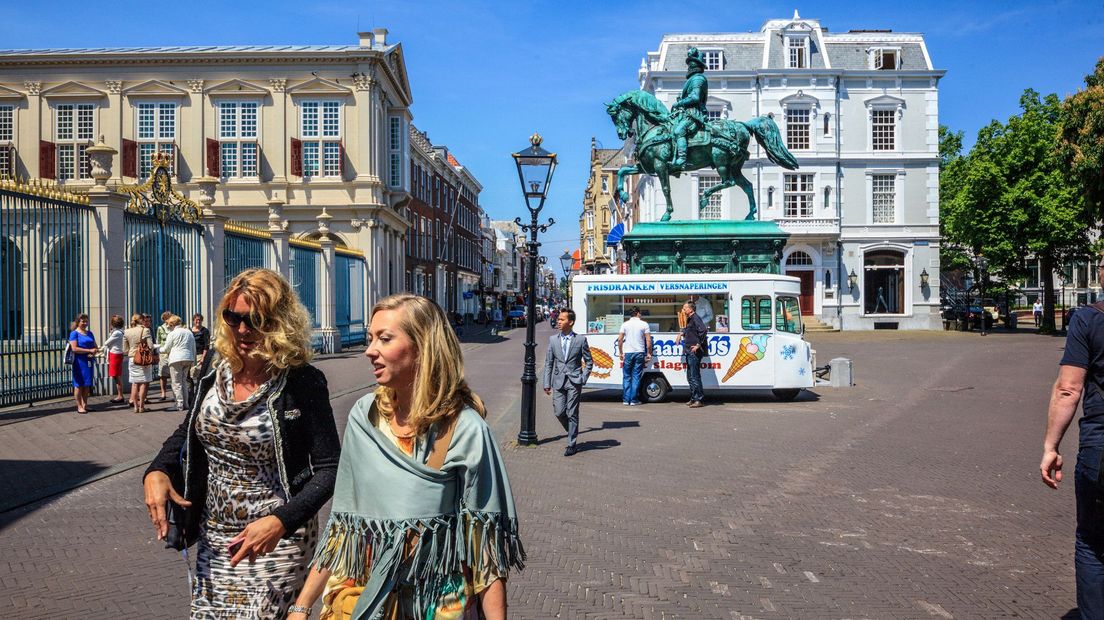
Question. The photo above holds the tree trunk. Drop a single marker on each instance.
(1046, 278)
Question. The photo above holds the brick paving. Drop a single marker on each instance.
(912, 495)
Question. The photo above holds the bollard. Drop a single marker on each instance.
(841, 372)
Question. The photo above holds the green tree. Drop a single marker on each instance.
(1009, 198)
(1081, 146)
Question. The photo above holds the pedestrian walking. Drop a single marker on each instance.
(162, 360)
(693, 339)
(257, 476)
(138, 344)
(423, 522)
(202, 337)
(634, 346)
(567, 365)
(1037, 311)
(82, 345)
(553, 317)
(179, 350)
(496, 321)
(115, 356)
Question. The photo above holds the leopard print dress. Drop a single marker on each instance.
(243, 485)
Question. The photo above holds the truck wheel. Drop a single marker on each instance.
(786, 394)
(656, 388)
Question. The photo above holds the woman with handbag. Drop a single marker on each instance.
(115, 354)
(255, 458)
(423, 522)
(138, 343)
(82, 343)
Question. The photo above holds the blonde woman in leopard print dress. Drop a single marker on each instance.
(256, 457)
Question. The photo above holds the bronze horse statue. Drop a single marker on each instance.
(639, 114)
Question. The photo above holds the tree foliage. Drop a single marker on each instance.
(1081, 146)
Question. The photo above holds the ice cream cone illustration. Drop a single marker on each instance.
(603, 363)
(752, 348)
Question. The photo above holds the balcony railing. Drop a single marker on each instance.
(808, 225)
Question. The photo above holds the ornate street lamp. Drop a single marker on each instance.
(852, 281)
(535, 168)
(924, 279)
(983, 275)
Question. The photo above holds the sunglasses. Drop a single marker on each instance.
(234, 319)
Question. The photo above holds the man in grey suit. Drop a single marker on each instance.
(567, 367)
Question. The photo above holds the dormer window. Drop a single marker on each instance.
(886, 58)
(797, 52)
(714, 60)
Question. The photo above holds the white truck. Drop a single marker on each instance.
(756, 340)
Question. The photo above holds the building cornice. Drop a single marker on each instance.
(214, 57)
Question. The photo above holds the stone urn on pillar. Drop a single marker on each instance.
(101, 156)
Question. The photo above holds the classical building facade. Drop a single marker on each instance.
(860, 112)
(600, 211)
(444, 245)
(292, 130)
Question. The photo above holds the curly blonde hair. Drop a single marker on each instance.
(280, 318)
(440, 391)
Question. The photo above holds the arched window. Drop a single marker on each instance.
(799, 258)
(884, 282)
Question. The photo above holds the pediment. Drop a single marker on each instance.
(7, 93)
(799, 98)
(887, 101)
(319, 86)
(155, 88)
(237, 88)
(73, 89)
(398, 68)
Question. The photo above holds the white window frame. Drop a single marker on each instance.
(7, 138)
(396, 137)
(809, 121)
(238, 140)
(883, 113)
(884, 103)
(797, 52)
(827, 120)
(326, 145)
(714, 58)
(907, 251)
(877, 55)
(715, 209)
(800, 186)
(158, 141)
(76, 141)
(898, 197)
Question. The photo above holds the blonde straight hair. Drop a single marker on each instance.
(280, 318)
(440, 391)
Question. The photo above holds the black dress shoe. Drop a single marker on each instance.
(570, 450)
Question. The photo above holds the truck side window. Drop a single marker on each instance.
(789, 315)
(755, 312)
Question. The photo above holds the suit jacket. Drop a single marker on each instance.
(575, 368)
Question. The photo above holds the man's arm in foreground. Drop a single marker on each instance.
(1063, 405)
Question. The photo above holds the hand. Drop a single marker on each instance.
(693, 348)
(158, 490)
(678, 339)
(1051, 468)
(257, 539)
(548, 390)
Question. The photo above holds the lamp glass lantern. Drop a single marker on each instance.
(535, 168)
(565, 263)
(852, 280)
(924, 278)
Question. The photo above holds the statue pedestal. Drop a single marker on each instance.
(696, 246)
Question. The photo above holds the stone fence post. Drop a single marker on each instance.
(280, 247)
(107, 276)
(214, 249)
(331, 338)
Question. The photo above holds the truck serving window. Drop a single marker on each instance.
(606, 313)
(789, 315)
(755, 312)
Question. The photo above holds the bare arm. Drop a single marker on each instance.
(493, 600)
(1063, 405)
(312, 589)
(620, 340)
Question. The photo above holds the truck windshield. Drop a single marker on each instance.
(788, 318)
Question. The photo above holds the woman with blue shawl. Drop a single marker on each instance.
(423, 524)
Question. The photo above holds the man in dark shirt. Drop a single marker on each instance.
(1081, 372)
(693, 339)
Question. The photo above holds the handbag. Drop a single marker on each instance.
(183, 522)
(70, 357)
(144, 355)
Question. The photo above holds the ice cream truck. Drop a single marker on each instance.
(755, 341)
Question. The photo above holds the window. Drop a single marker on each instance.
(605, 185)
(798, 195)
(74, 132)
(714, 60)
(320, 128)
(884, 198)
(797, 128)
(7, 141)
(156, 134)
(884, 286)
(886, 59)
(394, 151)
(827, 120)
(606, 313)
(882, 127)
(827, 196)
(714, 114)
(799, 258)
(712, 210)
(798, 52)
(789, 315)
(238, 139)
(755, 313)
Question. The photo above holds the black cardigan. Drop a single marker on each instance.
(308, 439)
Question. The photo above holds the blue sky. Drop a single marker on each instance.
(485, 75)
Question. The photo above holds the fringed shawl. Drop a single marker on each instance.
(463, 515)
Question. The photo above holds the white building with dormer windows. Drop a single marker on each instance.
(860, 112)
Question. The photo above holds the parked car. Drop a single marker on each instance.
(516, 316)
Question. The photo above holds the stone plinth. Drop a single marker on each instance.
(696, 246)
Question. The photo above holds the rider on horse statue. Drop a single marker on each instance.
(689, 111)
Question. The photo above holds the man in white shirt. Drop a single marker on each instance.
(1037, 310)
(634, 347)
(704, 309)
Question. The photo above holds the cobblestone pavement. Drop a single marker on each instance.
(914, 494)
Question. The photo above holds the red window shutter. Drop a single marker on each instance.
(296, 157)
(11, 162)
(214, 158)
(341, 157)
(260, 162)
(47, 160)
(130, 158)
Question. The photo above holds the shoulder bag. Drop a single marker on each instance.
(144, 355)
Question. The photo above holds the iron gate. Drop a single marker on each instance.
(349, 276)
(244, 248)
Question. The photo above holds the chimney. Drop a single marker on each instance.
(381, 36)
(365, 39)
